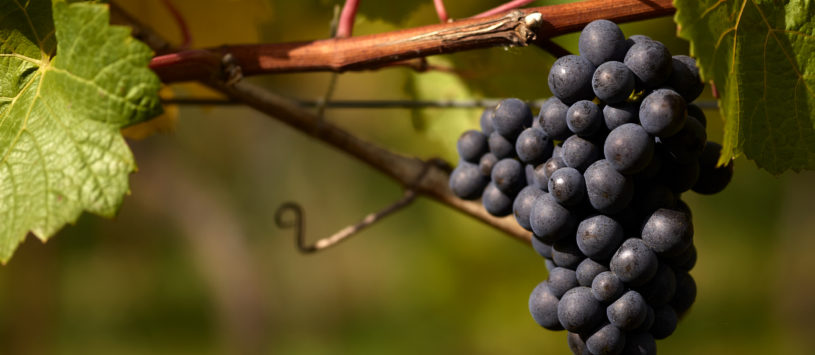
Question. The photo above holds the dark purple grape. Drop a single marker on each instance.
(543, 306)
(628, 311)
(567, 186)
(619, 114)
(549, 220)
(561, 280)
(613, 82)
(684, 261)
(552, 119)
(500, 146)
(602, 41)
(552, 165)
(650, 62)
(697, 113)
(579, 153)
(685, 293)
(662, 113)
(467, 182)
(608, 190)
(486, 120)
(522, 205)
(584, 118)
(607, 287)
(570, 79)
(545, 250)
(629, 148)
(634, 263)
(587, 270)
(635, 39)
(577, 345)
(668, 232)
(651, 196)
(511, 117)
(496, 202)
(679, 177)
(648, 322)
(660, 290)
(608, 340)
(578, 311)
(686, 146)
(566, 254)
(472, 145)
(685, 77)
(640, 344)
(712, 179)
(598, 237)
(665, 320)
(486, 163)
(508, 176)
(533, 146)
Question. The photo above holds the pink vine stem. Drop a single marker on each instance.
(505, 7)
(441, 11)
(347, 17)
(186, 37)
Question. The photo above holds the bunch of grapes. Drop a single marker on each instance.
(597, 177)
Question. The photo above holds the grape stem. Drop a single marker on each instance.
(512, 28)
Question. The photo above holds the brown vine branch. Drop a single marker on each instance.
(515, 28)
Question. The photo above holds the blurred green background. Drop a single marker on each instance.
(194, 263)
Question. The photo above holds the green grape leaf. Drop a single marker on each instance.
(69, 82)
(761, 56)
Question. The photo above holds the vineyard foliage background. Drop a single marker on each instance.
(194, 264)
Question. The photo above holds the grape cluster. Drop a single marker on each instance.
(597, 176)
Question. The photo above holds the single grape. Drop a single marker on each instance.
(601, 41)
(712, 179)
(496, 202)
(566, 254)
(522, 205)
(648, 322)
(550, 264)
(609, 191)
(697, 113)
(472, 145)
(553, 164)
(552, 119)
(567, 186)
(684, 261)
(486, 163)
(467, 182)
(650, 62)
(608, 340)
(607, 287)
(533, 146)
(577, 345)
(679, 177)
(543, 306)
(640, 344)
(634, 263)
(549, 220)
(660, 290)
(662, 113)
(668, 232)
(539, 178)
(686, 146)
(629, 148)
(613, 82)
(500, 146)
(511, 116)
(619, 114)
(578, 311)
(584, 118)
(628, 311)
(651, 196)
(587, 270)
(561, 280)
(685, 77)
(486, 120)
(598, 237)
(545, 250)
(508, 176)
(579, 153)
(635, 39)
(685, 293)
(665, 320)
(570, 79)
